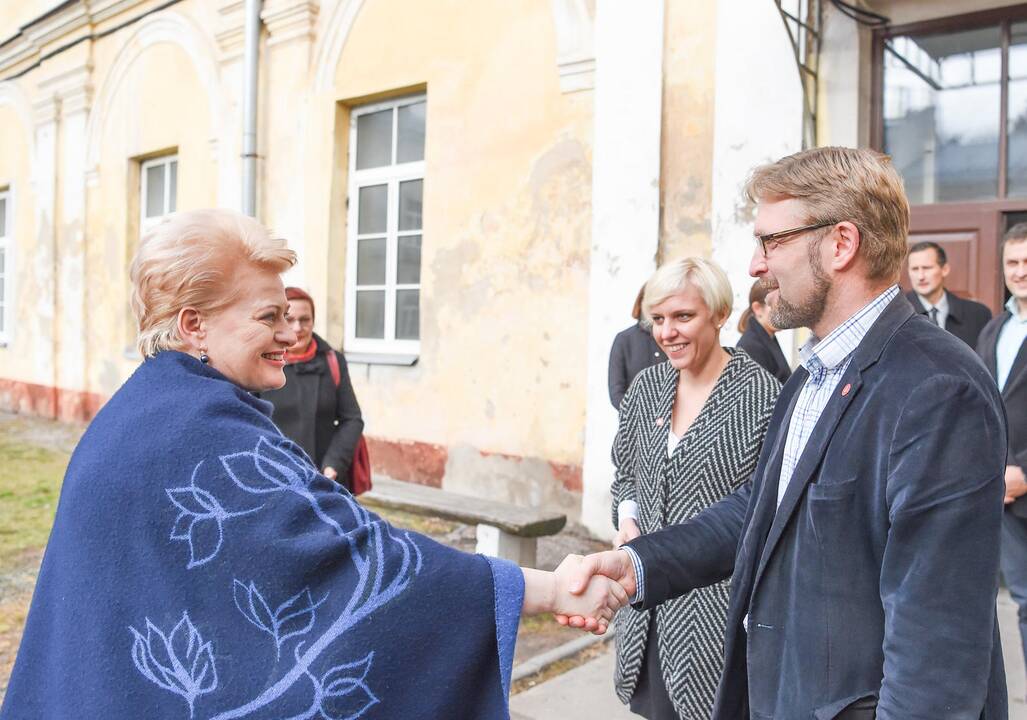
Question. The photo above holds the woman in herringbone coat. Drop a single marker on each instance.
(690, 432)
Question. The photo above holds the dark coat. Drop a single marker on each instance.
(966, 318)
(633, 351)
(762, 347)
(877, 575)
(1014, 395)
(322, 419)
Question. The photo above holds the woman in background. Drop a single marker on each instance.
(317, 408)
(758, 335)
(633, 351)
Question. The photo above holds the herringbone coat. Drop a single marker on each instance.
(717, 453)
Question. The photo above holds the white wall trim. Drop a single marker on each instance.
(625, 214)
(332, 33)
(164, 27)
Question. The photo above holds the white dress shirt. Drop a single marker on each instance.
(1010, 338)
(942, 307)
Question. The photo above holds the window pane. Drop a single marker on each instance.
(410, 205)
(944, 152)
(155, 191)
(374, 139)
(408, 266)
(1017, 165)
(410, 144)
(408, 314)
(371, 214)
(3, 262)
(371, 261)
(3, 217)
(173, 190)
(371, 314)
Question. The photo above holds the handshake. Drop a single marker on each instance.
(583, 592)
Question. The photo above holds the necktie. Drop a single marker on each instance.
(933, 312)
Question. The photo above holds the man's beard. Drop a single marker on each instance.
(808, 311)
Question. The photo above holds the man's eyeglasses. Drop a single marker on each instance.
(770, 241)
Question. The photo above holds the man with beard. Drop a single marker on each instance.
(863, 555)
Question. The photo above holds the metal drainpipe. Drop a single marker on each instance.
(251, 72)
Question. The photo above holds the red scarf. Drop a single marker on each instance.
(305, 356)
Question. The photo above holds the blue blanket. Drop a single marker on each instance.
(200, 567)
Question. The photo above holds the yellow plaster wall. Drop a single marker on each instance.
(686, 151)
(507, 218)
(160, 105)
(29, 339)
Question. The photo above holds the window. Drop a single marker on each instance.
(158, 193)
(930, 80)
(383, 266)
(5, 264)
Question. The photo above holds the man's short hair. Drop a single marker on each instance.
(1015, 234)
(929, 245)
(838, 183)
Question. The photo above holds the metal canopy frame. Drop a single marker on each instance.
(803, 20)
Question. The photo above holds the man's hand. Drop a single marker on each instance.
(1016, 483)
(330, 472)
(628, 531)
(613, 564)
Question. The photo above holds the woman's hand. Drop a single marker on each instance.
(330, 472)
(628, 531)
(594, 604)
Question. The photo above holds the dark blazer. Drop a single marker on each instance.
(966, 318)
(321, 418)
(633, 351)
(764, 349)
(1014, 395)
(877, 575)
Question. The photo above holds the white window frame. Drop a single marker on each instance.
(6, 243)
(391, 175)
(145, 223)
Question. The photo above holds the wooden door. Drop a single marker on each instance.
(970, 234)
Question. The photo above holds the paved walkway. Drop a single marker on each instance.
(586, 693)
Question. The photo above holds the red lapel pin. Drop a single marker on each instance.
(845, 390)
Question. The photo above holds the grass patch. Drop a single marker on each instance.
(30, 483)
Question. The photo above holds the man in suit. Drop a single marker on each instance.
(928, 268)
(863, 556)
(1002, 348)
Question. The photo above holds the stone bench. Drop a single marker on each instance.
(503, 530)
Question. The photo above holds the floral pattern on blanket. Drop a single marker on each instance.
(182, 662)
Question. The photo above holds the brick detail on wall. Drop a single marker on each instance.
(408, 460)
(51, 402)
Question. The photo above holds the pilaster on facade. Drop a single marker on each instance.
(289, 20)
(73, 88)
(45, 111)
(628, 113)
(229, 34)
(575, 51)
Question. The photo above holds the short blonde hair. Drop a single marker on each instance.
(186, 260)
(838, 183)
(672, 277)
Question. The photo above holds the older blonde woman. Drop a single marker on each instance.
(201, 567)
(690, 432)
